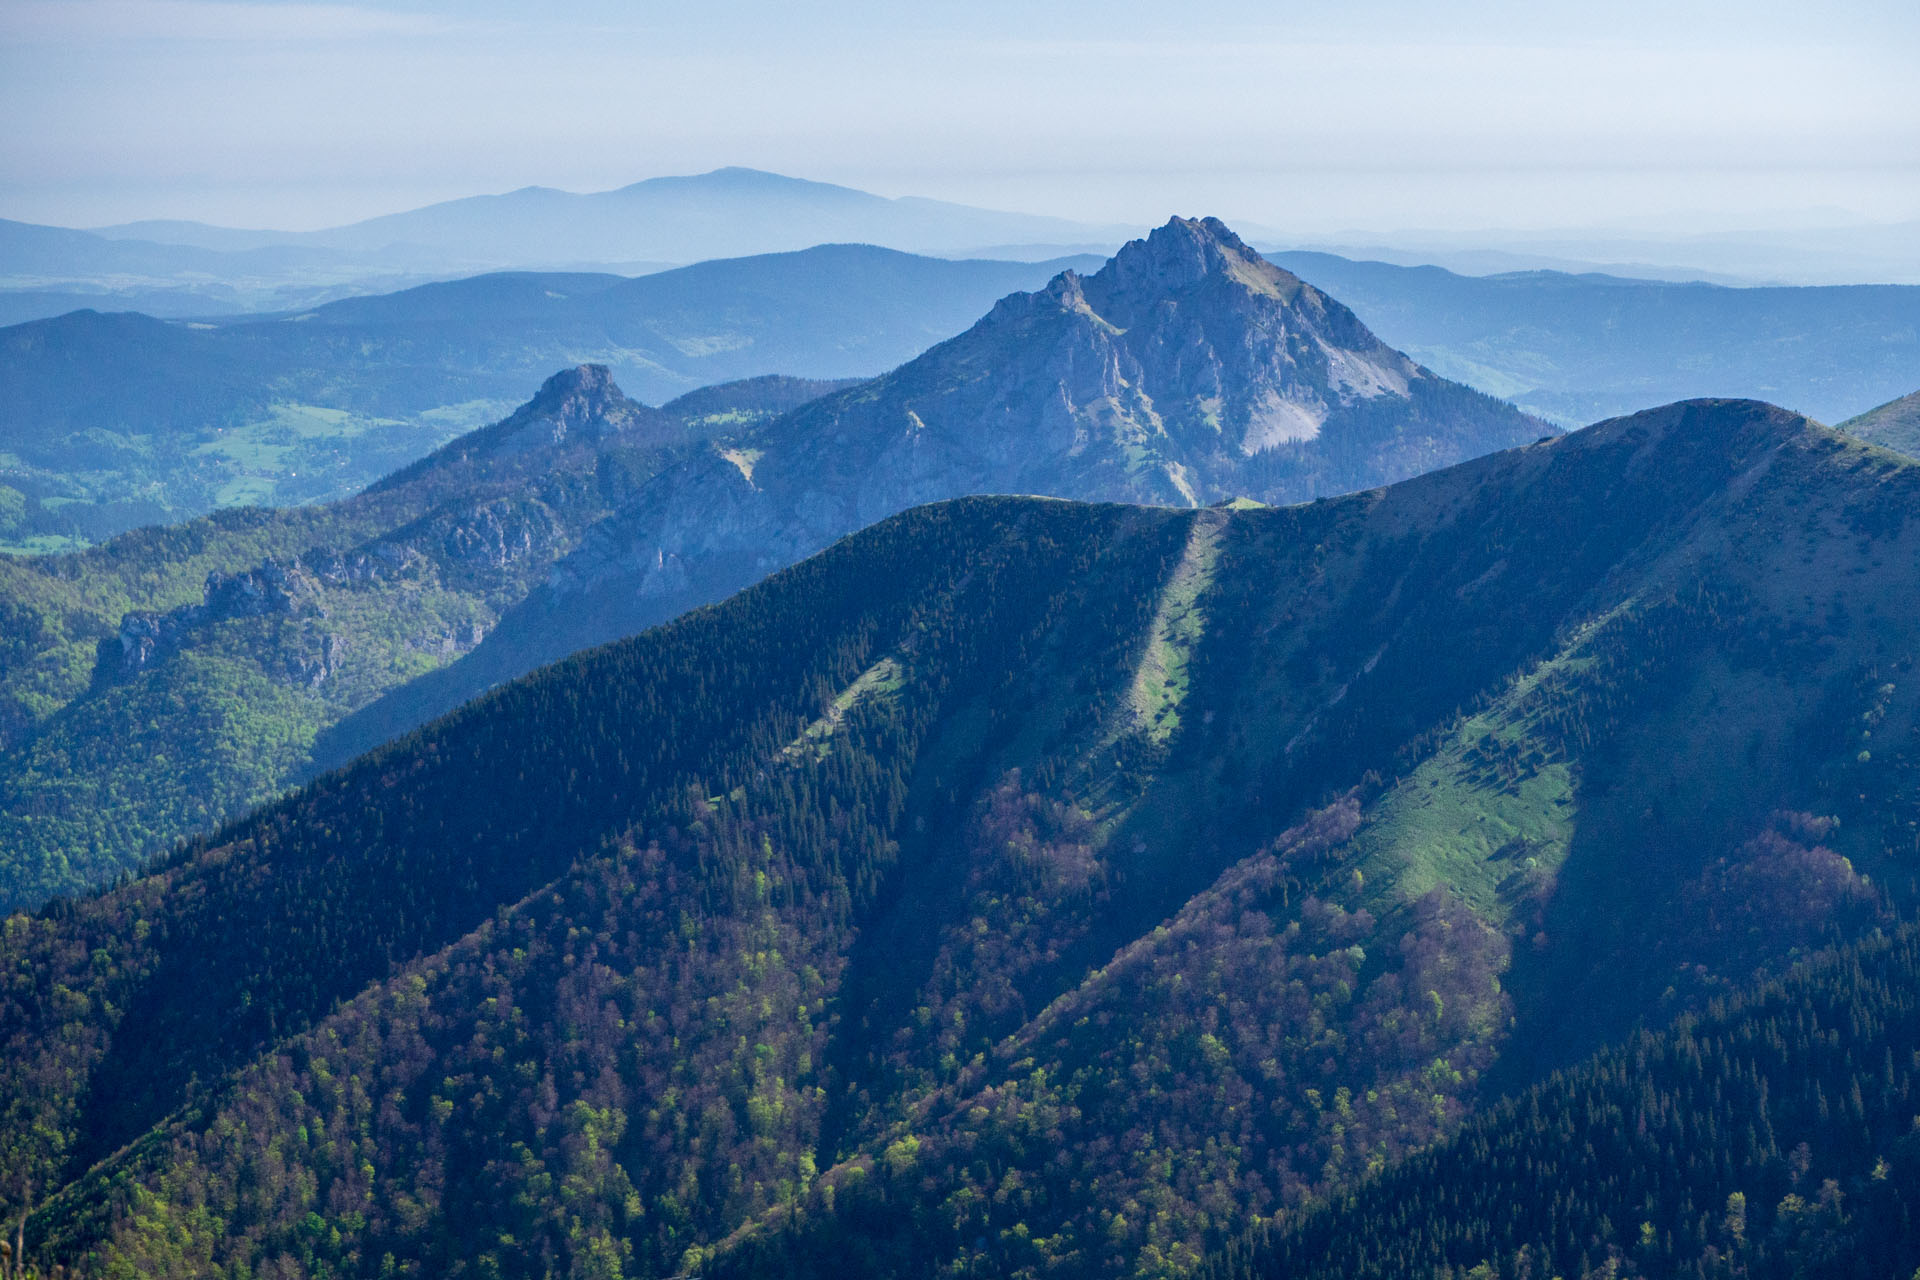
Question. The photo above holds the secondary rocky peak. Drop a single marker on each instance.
(581, 403)
(578, 395)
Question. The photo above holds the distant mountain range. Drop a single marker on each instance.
(1186, 371)
(727, 213)
(160, 682)
(1029, 888)
(48, 271)
(649, 225)
(1843, 252)
(172, 420)
(115, 421)
(1576, 348)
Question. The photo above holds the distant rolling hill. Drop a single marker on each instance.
(727, 213)
(48, 271)
(1574, 348)
(114, 421)
(177, 268)
(1030, 888)
(645, 226)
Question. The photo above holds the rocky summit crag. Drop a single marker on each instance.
(1187, 371)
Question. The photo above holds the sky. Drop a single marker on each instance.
(1666, 116)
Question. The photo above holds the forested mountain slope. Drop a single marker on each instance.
(1772, 1138)
(1016, 888)
(172, 678)
(1222, 356)
(1185, 371)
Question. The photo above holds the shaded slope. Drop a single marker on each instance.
(1772, 1137)
(725, 677)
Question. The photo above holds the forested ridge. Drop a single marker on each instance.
(1024, 888)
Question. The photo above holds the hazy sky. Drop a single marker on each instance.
(1305, 117)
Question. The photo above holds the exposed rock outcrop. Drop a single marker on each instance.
(147, 637)
(575, 407)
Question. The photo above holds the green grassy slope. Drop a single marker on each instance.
(1894, 425)
(1016, 888)
(1664, 793)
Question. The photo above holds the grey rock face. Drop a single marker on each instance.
(580, 406)
(145, 638)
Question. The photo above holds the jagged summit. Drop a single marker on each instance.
(1172, 261)
(1185, 357)
(581, 405)
(578, 397)
(1180, 255)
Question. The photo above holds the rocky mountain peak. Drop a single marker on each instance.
(578, 405)
(1179, 257)
(575, 396)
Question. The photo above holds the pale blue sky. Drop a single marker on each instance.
(1305, 117)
